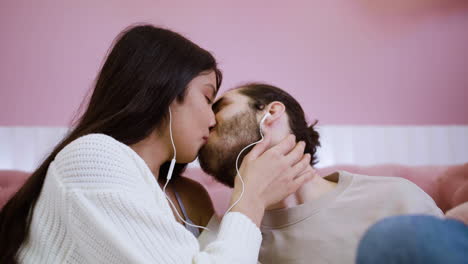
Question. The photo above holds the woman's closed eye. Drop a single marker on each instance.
(209, 100)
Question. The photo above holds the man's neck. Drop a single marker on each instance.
(311, 190)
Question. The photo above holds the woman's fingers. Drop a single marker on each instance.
(285, 145)
(260, 148)
(296, 154)
(299, 181)
(299, 174)
(300, 166)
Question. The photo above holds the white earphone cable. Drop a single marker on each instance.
(237, 164)
(169, 176)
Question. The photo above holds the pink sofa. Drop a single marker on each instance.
(10, 182)
(447, 185)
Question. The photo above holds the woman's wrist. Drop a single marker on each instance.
(249, 205)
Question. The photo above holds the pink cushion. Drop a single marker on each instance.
(10, 182)
(453, 187)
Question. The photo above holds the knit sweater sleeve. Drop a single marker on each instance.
(115, 215)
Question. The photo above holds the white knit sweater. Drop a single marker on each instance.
(100, 203)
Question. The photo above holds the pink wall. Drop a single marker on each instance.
(348, 62)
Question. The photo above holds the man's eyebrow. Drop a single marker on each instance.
(220, 103)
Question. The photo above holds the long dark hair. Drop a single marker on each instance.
(261, 94)
(147, 68)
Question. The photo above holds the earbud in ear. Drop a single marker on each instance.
(263, 120)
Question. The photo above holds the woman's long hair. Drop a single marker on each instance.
(146, 69)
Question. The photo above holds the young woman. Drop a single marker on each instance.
(96, 197)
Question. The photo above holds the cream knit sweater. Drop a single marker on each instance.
(100, 203)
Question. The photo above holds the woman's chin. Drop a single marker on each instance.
(187, 158)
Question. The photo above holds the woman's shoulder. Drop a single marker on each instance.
(96, 145)
(94, 159)
(92, 141)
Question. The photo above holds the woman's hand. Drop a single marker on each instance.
(270, 176)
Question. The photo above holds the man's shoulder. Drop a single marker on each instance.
(389, 181)
(397, 187)
(398, 190)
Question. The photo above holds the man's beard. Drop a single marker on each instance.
(218, 158)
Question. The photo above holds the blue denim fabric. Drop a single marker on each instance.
(415, 239)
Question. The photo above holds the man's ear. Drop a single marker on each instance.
(276, 110)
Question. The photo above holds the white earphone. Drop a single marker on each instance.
(169, 175)
(263, 121)
(261, 128)
(173, 161)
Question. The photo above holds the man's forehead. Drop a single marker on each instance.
(228, 98)
(233, 96)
